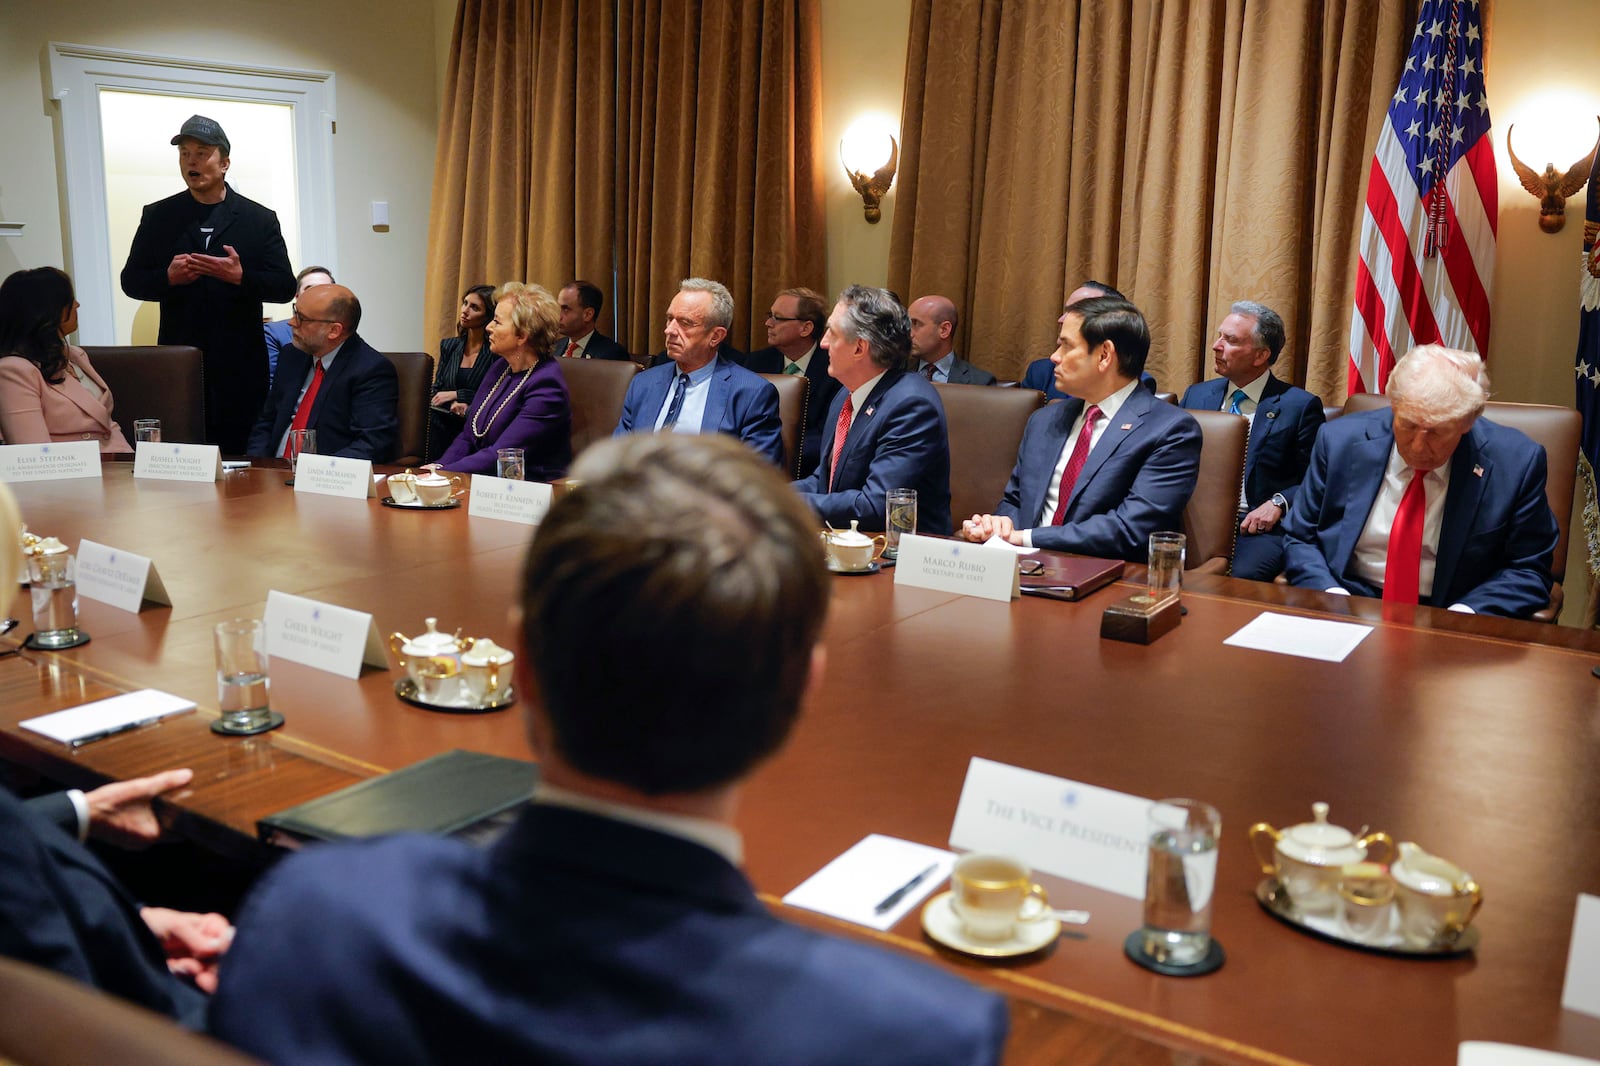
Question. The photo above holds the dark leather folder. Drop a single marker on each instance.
(1069, 577)
(451, 794)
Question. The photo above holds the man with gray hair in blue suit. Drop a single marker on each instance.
(698, 391)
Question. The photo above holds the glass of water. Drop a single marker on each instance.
(242, 686)
(147, 429)
(900, 518)
(53, 584)
(1181, 881)
(508, 463)
(301, 442)
(1165, 573)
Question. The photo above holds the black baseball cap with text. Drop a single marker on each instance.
(206, 131)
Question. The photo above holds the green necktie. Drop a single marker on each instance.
(793, 368)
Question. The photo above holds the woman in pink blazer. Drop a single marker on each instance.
(48, 390)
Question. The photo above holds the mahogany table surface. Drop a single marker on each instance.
(1478, 738)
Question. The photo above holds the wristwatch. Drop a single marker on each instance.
(1279, 500)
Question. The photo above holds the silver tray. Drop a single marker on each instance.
(406, 689)
(1275, 901)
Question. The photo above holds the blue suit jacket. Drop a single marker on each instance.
(280, 335)
(897, 440)
(355, 414)
(1138, 479)
(739, 404)
(61, 910)
(575, 939)
(1041, 375)
(818, 397)
(1497, 537)
(1285, 427)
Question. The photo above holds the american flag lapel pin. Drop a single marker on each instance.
(1126, 426)
(1477, 471)
(868, 412)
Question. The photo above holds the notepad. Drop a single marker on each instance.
(76, 724)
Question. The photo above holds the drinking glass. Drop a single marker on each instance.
(508, 463)
(147, 429)
(53, 581)
(242, 685)
(1165, 573)
(900, 518)
(1181, 881)
(301, 442)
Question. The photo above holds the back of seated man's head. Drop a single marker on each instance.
(671, 605)
(1114, 319)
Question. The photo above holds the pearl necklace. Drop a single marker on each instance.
(479, 433)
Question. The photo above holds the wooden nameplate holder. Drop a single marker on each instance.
(1138, 621)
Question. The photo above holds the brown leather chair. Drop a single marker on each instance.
(596, 387)
(794, 394)
(162, 381)
(1331, 411)
(1211, 519)
(1559, 431)
(415, 370)
(50, 1020)
(1168, 397)
(986, 427)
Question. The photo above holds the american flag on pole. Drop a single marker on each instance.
(1428, 233)
(1589, 322)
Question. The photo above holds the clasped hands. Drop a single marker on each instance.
(981, 527)
(192, 266)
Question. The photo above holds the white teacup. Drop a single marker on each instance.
(403, 488)
(486, 671)
(992, 893)
(851, 549)
(1437, 899)
(437, 489)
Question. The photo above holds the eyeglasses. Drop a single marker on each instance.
(294, 313)
(783, 318)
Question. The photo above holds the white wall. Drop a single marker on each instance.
(383, 55)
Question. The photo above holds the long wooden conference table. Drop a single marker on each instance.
(1479, 738)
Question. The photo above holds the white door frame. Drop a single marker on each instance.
(78, 73)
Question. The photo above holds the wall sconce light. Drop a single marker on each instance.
(862, 151)
(1552, 189)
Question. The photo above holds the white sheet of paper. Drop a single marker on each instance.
(320, 635)
(56, 461)
(1081, 832)
(874, 867)
(1581, 992)
(128, 709)
(997, 541)
(165, 461)
(332, 475)
(118, 578)
(1309, 638)
(511, 501)
(1487, 1053)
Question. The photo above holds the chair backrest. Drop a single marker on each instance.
(1330, 411)
(1211, 519)
(596, 387)
(1558, 430)
(162, 381)
(415, 370)
(986, 427)
(794, 394)
(51, 1020)
(1168, 397)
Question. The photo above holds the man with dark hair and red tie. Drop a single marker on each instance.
(332, 381)
(1426, 503)
(1099, 472)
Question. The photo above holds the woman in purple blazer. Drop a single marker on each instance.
(521, 401)
(48, 390)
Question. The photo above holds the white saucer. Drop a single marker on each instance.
(939, 921)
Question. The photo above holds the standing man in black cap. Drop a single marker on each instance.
(212, 258)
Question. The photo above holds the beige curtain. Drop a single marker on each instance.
(1189, 152)
(631, 143)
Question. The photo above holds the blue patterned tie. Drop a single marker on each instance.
(676, 407)
(1239, 397)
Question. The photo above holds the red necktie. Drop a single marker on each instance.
(302, 414)
(927, 370)
(1080, 455)
(841, 429)
(1402, 578)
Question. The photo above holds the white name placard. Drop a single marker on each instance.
(320, 635)
(1581, 990)
(55, 461)
(1067, 828)
(118, 578)
(957, 566)
(510, 501)
(177, 462)
(331, 475)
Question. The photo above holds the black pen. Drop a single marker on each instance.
(78, 742)
(904, 890)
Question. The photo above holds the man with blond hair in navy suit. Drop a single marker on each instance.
(1284, 421)
(611, 923)
(698, 391)
(1098, 473)
(1426, 503)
